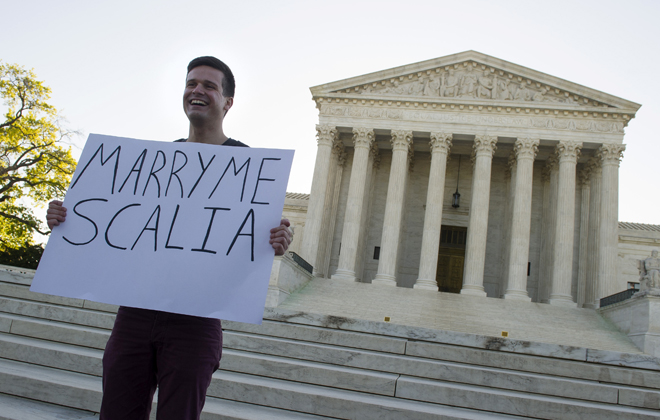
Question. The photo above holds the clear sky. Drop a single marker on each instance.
(118, 67)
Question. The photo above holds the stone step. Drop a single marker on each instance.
(513, 377)
(83, 392)
(46, 311)
(520, 403)
(17, 408)
(49, 385)
(21, 290)
(379, 376)
(54, 331)
(321, 335)
(334, 403)
(55, 355)
(362, 380)
(592, 371)
(96, 338)
(89, 361)
(221, 409)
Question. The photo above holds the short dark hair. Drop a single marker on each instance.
(228, 83)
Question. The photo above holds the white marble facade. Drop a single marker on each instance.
(539, 159)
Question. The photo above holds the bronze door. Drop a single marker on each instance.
(451, 258)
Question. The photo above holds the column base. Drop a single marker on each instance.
(473, 291)
(426, 284)
(384, 280)
(561, 300)
(589, 306)
(344, 275)
(517, 295)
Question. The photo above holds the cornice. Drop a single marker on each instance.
(622, 116)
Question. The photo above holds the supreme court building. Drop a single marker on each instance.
(534, 158)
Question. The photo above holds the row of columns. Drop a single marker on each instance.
(598, 224)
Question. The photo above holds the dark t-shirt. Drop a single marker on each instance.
(229, 142)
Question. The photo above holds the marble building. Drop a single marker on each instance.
(534, 158)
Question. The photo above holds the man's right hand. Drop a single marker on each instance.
(56, 214)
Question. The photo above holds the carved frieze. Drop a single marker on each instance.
(472, 80)
(517, 121)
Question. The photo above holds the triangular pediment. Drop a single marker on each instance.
(474, 78)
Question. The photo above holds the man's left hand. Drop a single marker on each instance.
(281, 237)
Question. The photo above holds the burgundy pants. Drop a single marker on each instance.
(177, 353)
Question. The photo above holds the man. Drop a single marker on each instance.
(177, 353)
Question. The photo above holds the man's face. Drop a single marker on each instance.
(203, 99)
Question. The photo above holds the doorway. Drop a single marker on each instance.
(451, 258)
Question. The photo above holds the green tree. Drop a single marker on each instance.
(35, 163)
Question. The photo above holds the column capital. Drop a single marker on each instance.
(550, 165)
(595, 166)
(568, 151)
(440, 142)
(510, 164)
(484, 144)
(401, 140)
(363, 137)
(611, 154)
(341, 155)
(584, 176)
(526, 148)
(375, 155)
(325, 134)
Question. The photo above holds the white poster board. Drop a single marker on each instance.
(177, 227)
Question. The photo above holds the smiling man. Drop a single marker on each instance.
(176, 353)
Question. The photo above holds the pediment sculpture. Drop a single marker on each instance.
(473, 81)
(649, 275)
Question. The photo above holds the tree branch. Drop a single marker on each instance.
(29, 223)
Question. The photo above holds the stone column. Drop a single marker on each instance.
(322, 267)
(510, 174)
(544, 260)
(526, 150)
(591, 285)
(583, 181)
(562, 271)
(362, 139)
(389, 248)
(428, 265)
(364, 254)
(326, 136)
(610, 156)
(475, 253)
(549, 237)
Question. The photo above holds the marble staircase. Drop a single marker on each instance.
(313, 358)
